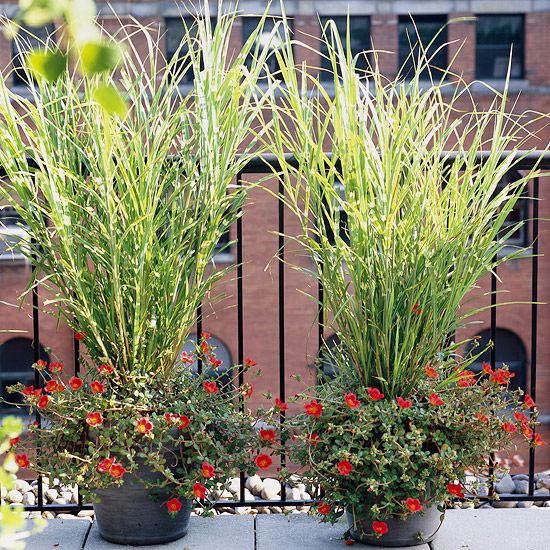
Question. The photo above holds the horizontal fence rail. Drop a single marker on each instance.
(263, 165)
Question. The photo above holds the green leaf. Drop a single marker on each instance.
(98, 57)
(37, 13)
(110, 99)
(49, 65)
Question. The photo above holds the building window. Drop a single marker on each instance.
(509, 350)
(249, 26)
(12, 233)
(428, 31)
(27, 39)
(520, 213)
(16, 359)
(326, 359)
(174, 35)
(360, 41)
(342, 221)
(496, 37)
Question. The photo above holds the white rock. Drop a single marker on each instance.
(505, 504)
(525, 504)
(59, 500)
(271, 489)
(234, 485)
(241, 510)
(305, 496)
(543, 483)
(254, 484)
(85, 514)
(3, 491)
(248, 495)
(14, 496)
(51, 494)
(522, 487)
(292, 493)
(22, 485)
(33, 515)
(29, 499)
(71, 516)
(67, 495)
(276, 509)
(505, 485)
(48, 515)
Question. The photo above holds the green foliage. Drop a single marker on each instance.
(97, 57)
(108, 97)
(423, 226)
(49, 65)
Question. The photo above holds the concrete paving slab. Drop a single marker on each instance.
(60, 534)
(218, 533)
(301, 532)
(492, 529)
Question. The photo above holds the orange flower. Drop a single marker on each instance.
(214, 361)
(247, 389)
(105, 465)
(466, 378)
(529, 402)
(106, 369)
(174, 505)
(22, 460)
(351, 400)
(482, 417)
(521, 418)
(56, 367)
(413, 504)
(13, 441)
(43, 402)
(97, 387)
(501, 376)
(345, 467)
(435, 400)
(117, 470)
(54, 386)
(75, 383)
(375, 394)
(313, 408)
(94, 419)
(538, 441)
(249, 362)
(267, 435)
(263, 461)
(207, 470)
(199, 490)
(380, 527)
(323, 508)
(509, 427)
(40, 364)
(186, 358)
(144, 425)
(282, 406)
(430, 371)
(210, 387)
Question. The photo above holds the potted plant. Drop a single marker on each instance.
(125, 184)
(399, 231)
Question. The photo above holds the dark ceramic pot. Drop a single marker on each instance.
(132, 515)
(415, 530)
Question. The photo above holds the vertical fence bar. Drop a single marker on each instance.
(36, 357)
(199, 332)
(493, 359)
(534, 320)
(240, 318)
(281, 258)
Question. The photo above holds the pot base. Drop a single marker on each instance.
(417, 529)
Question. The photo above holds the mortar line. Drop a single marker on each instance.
(86, 535)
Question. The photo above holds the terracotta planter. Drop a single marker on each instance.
(132, 515)
(415, 530)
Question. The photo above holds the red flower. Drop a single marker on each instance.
(375, 394)
(40, 364)
(79, 336)
(22, 460)
(13, 441)
(249, 362)
(351, 400)
(435, 400)
(247, 389)
(75, 383)
(404, 403)
(105, 465)
(117, 470)
(345, 467)
(430, 371)
(482, 417)
(380, 527)
(456, 490)
(521, 418)
(487, 369)
(413, 504)
(267, 435)
(263, 461)
(199, 490)
(171, 417)
(509, 427)
(313, 408)
(205, 335)
(501, 376)
(349, 542)
(205, 348)
(94, 419)
(313, 439)
(538, 441)
(466, 378)
(417, 310)
(186, 358)
(97, 387)
(526, 431)
(207, 470)
(210, 387)
(56, 367)
(43, 402)
(183, 422)
(323, 509)
(144, 425)
(54, 386)
(29, 390)
(106, 369)
(280, 405)
(174, 505)
(213, 361)
(529, 402)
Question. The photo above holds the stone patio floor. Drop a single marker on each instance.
(486, 529)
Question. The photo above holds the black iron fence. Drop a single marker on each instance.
(264, 165)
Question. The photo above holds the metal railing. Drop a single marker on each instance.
(264, 165)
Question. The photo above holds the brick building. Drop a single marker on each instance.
(481, 47)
